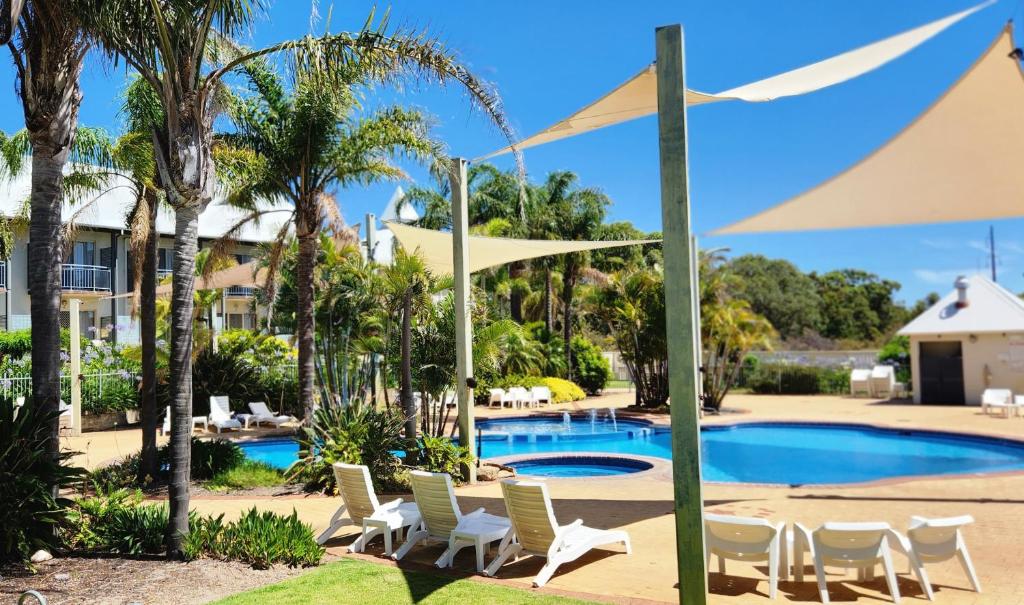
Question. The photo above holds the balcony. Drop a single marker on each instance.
(85, 278)
(241, 291)
(162, 273)
(3, 276)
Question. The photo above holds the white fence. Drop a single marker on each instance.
(95, 386)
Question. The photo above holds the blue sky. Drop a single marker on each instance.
(548, 59)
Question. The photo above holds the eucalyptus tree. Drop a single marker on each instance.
(48, 49)
(301, 140)
(184, 49)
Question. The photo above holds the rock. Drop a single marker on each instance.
(40, 555)
(487, 472)
(62, 577)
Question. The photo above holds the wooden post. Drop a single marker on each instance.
(463, 307)
(75, 332)
(683, 375)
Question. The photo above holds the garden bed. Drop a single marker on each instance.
(154, 581)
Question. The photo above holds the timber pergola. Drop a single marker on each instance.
(661, 88)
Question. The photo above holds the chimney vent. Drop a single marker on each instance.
(961, 284)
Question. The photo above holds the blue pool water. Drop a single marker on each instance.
(579, 466)
(782, 453)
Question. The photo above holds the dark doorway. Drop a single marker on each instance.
(942, 372)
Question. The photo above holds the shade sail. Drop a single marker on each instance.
(248, 275)
(638, 96)
(485, 252)
(960, 160)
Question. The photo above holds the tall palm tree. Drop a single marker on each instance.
(48, 53)
(408, 285)
(183, 49)
(308, 142)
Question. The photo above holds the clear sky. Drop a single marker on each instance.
(548, 59)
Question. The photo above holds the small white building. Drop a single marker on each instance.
(970, 340)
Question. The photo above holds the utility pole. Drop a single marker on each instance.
(992, 250)
(463, 310)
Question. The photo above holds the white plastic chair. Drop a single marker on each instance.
(220, 414)
(363, 508)
(443, 521)
(541, 395)
(859, 546)
(935, 541)
(883, 381)
(261, 413)
(521, 396)
(536, 532)
(860, 382)
(999, 399)
(747, 539)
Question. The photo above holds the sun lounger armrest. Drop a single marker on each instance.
(898, 541)
(802, 540)
(393, 504)
(563, 531)
(475, 513)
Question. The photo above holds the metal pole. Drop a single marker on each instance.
(683, 374)
(75, 332)
(463, 327)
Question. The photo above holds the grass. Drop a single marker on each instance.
(619, 384)
(351, 581)
(248, 474)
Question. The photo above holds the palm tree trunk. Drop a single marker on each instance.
(45, 256)
(148, 410)
(306, 328)
(549, 292)
(515, 303)
(568, 287)
(186, 243)
(408, 404)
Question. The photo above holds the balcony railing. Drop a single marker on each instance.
(162, 273)
(3, 274)
(87, 278)
(240, 291)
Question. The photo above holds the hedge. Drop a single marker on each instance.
(777, 379)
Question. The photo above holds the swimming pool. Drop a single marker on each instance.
(579, 466)
(759, 452)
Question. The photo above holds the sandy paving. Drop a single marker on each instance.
(642, 505)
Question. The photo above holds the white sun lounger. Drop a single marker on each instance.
(883, 381)
(859, 546)
(261, 413)
(220, 414)
(363, 508)
(535, 531)
(860, 382)
(935, 541)
(442, 521)
(747, 539)
(541, 395)
(165, 429)
(1001, 399)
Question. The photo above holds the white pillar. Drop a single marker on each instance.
(371, 235)
(463, 307)
(74, 309)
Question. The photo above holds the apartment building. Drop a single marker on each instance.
(98, 266)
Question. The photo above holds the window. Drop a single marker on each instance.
(83, 253)
(165, 259)
(243, 258)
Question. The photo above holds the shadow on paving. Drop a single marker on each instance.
(840, 587)
(905, 499)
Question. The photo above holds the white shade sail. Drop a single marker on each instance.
(638, 96)
(485, 252)
(960, 160)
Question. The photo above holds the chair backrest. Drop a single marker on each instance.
(435, 499)
(529, 510)
(744, 535)
(850, 541)
(541, 393)
(497, 394)
(996, 396)
(859, 374)
(936, 536)
(356, 490)
(883, 372)
(220, 407)
(260, 409)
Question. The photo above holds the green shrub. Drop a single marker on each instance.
(118, 395)
(259, 539)
(16, 344)
(896, 352)
(777, 379)
(589, 367)
(354, 434)
(209, 458)
(221, 373)
(248, 474)
(563, 390)
(117, 522)
(441, 455)
(29, 514)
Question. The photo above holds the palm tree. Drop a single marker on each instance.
(578, 214)
(308, 142)
(48, 52)
(183, 49)
(408, 285)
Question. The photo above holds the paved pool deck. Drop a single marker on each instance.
(642, 505)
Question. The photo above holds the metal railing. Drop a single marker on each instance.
(3, 274)
(88, 278)
(95, 386)
(240, 291)
(162, 273)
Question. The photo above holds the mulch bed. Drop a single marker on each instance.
(121, 581)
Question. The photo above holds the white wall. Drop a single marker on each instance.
(991, 351)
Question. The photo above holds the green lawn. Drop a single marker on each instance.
(619, 384)
(248, 474)
(351, 581)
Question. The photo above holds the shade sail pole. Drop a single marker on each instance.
(683, 375)
(463, 315)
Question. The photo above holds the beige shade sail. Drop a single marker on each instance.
(638, 96)
(960, 160)
(485, 252)
(248, 275)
